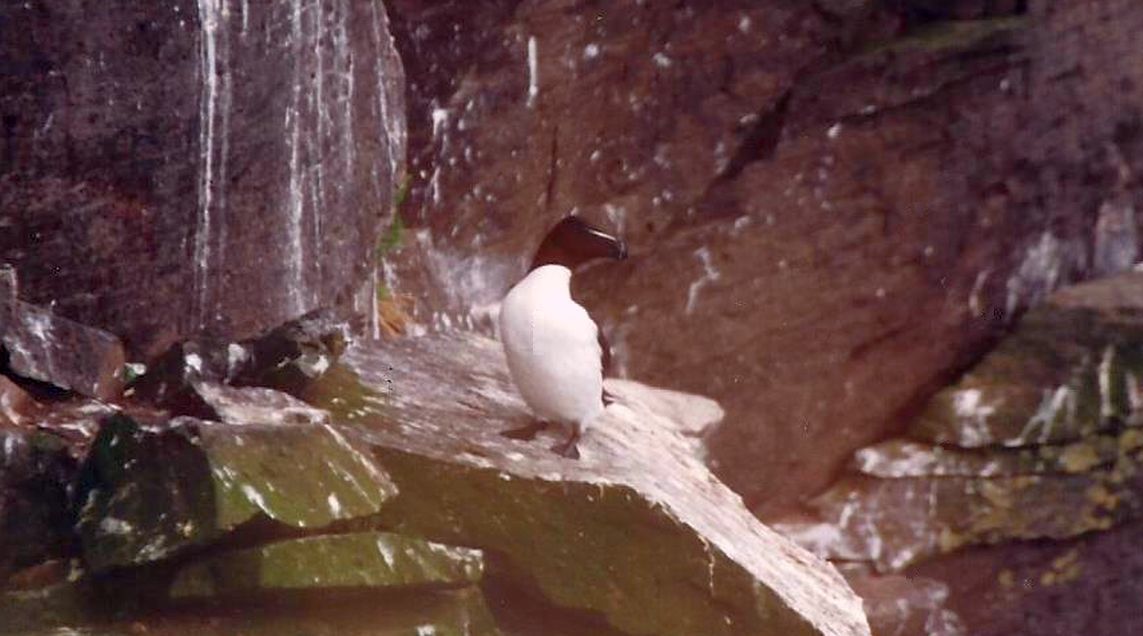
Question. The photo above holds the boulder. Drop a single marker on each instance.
(148, 494)
(45, 346)
(285, 357)
(637, 530)
(35, 479)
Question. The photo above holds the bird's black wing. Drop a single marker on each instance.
(605, 363)
(604, 349)
(604, 352)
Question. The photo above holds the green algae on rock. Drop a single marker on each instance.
(637, 530)
(148, 494)
(359, 560)
(898, 458)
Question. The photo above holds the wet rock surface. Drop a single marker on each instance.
(832, 207)
(175, 171)
(637, 530)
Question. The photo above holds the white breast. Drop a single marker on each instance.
(552, 347)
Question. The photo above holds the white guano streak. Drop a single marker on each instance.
(214, 104)
(533, 71)
(345, 71)
(710, 274)
(394, 133)
(322, 112)
(295, 282)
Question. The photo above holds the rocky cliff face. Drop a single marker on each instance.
(833, 207)
(205, 168)
(847, 221)
(191, 200)
(1035, 453)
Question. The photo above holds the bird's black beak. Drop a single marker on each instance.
(605, 245)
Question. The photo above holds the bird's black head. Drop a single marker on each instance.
(573, 242)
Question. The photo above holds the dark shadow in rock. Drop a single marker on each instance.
(38, 389)
(35, 478)
(171, 502)
(521, 611)
(338, 612)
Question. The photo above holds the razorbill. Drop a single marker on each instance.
(556, 353)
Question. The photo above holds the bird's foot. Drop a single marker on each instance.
(526, 433)
(569, 448)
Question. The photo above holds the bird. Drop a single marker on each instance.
(556, 352)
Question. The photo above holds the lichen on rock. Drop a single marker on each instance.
(1040, 440)
(1072, 369)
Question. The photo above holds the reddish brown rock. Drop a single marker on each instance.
(901, 606)
(16, 406)
(214, 167)
(833, 207)
(1088, 586)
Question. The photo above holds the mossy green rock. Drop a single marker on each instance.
(637, 530)
(1070, 369)
(951, 36)
(359, 560)
(150, 493)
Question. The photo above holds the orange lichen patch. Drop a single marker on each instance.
(1080, 458)
(1064, 569)
(1006, 579)
(394, 313)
